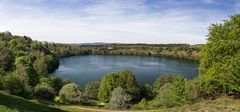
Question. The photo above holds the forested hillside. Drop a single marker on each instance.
(181, 51)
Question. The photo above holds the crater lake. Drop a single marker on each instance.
(82, 69)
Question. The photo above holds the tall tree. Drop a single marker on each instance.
(220, 58)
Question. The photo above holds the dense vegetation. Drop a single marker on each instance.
(181, 51)
(25, 66)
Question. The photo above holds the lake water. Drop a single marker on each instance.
(82, 69)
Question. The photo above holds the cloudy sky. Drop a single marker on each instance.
(125, 21)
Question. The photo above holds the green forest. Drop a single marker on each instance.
(26, 66)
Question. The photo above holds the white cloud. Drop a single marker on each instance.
(107, 21)
(208, 1)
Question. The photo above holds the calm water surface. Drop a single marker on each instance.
(82, 69)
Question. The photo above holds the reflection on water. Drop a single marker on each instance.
(82, 69)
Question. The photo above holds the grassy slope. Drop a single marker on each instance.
(9, 103)
(223, 104)
(13, 103)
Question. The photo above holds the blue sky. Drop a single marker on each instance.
(125, 21)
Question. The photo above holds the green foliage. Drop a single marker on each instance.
(53, 81)
(58, 99)
(220, 59)
(25, 71)
(12, 84)
(70, 93)
(30, 61)
(179, 51)
(120, 99)
(6, 109)
(164, 97)
(40, 66)
(44, 91)
(143, 105)
(179, 95)
(108, 83)
(91, 89)
(193, 89)
(67, 81)
(124, 79)
(163, 79)
(148, 92)
(172, 94)
(5, 59)
(129, 83)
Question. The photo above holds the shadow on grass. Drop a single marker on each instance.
(23, 105)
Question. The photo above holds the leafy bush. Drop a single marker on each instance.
(108, 83)
(67, 81)
(148, 92)
(58, 99)
(192, 91)
(220, 59)
(91, 89)
(143, 105)
(5, 59)
(120, 99)
(179, 95)
(128, 82)
(28, 92)
(172, 94)
(12, 84)
(124, 79)
(163, 79)
(53, 81)
(164, 96)
(70, 93)
(25, 71)
(44, 91)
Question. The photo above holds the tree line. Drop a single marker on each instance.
(180, 51)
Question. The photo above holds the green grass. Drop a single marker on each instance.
(9, 103)
(223, 104)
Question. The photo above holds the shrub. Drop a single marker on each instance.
(148, 92)
(28, 92)
(193, 91)
(12, 84)
(67, 81)
(163, 79)
(179, 95)
(53, 81)
(172, 94)
(58, 99)
(220, 58)
(124, 79)
(70, 93)
(91, 89)
(164, 96)
(44, 91)
(120, 99)
(128, 82)
(143, 105)
(108, 83)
